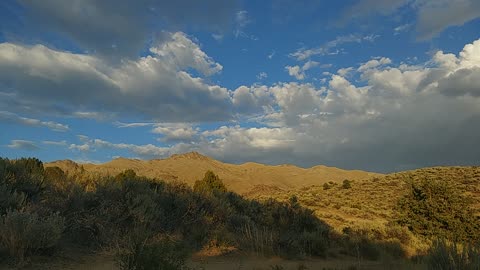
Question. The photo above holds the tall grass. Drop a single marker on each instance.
(23, 233)
(258, 240)
(445, 255)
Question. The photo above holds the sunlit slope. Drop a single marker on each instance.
(372, 201)
(239, 178)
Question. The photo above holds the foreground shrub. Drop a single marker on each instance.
(372, 243)
(23, 175)
(140, 252)
(24, 233)
(259, 241)
(10, 199)
(284, 229)
(453, 256)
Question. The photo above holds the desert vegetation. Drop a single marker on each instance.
(147, 223)
(427, 212)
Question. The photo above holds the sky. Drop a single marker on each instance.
(378, 85)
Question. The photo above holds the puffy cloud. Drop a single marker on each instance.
(295, 71)
(462, 82)
(399, 117)
(148, 150)
(156, 86)
(144, 151)
(241, 144)
(14, 118)
(344, 72)
(295, 100)
(388, 118)
(255, 99)
(80, 147)
(470, 55)
(384, 117)
(227, 143)
(256, 138)
(374, 63)
(299, 72)
(23, 145)
(175, 132)
(121, 27)
(181, 52)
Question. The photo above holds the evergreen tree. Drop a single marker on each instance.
(209, 184)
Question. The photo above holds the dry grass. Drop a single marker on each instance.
(370, 203)
(372, 200)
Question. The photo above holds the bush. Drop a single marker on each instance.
(452, 256)
(371, 243)
(23, 175)
(315, 243)
(326, 186)
(10, 199)
(433, 208)
(24, 233)
(210, 183)
(346, 184)
(260, 241)
(141, 252)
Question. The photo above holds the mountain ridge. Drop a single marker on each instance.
(241, 178)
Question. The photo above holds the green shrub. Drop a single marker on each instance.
(24, 233)
(346, 184)
(209, 184)
(434, 208)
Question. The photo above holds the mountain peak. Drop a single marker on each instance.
(190, 155)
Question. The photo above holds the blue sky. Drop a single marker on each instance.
(361, 84)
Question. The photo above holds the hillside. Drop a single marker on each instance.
(353, 220)
(371, 203)
(242, 178)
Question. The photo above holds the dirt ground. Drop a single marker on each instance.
(231, 262)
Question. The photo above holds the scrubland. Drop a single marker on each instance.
(423, 219)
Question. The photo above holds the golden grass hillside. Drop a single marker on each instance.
(370, 203)
(238, 178)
